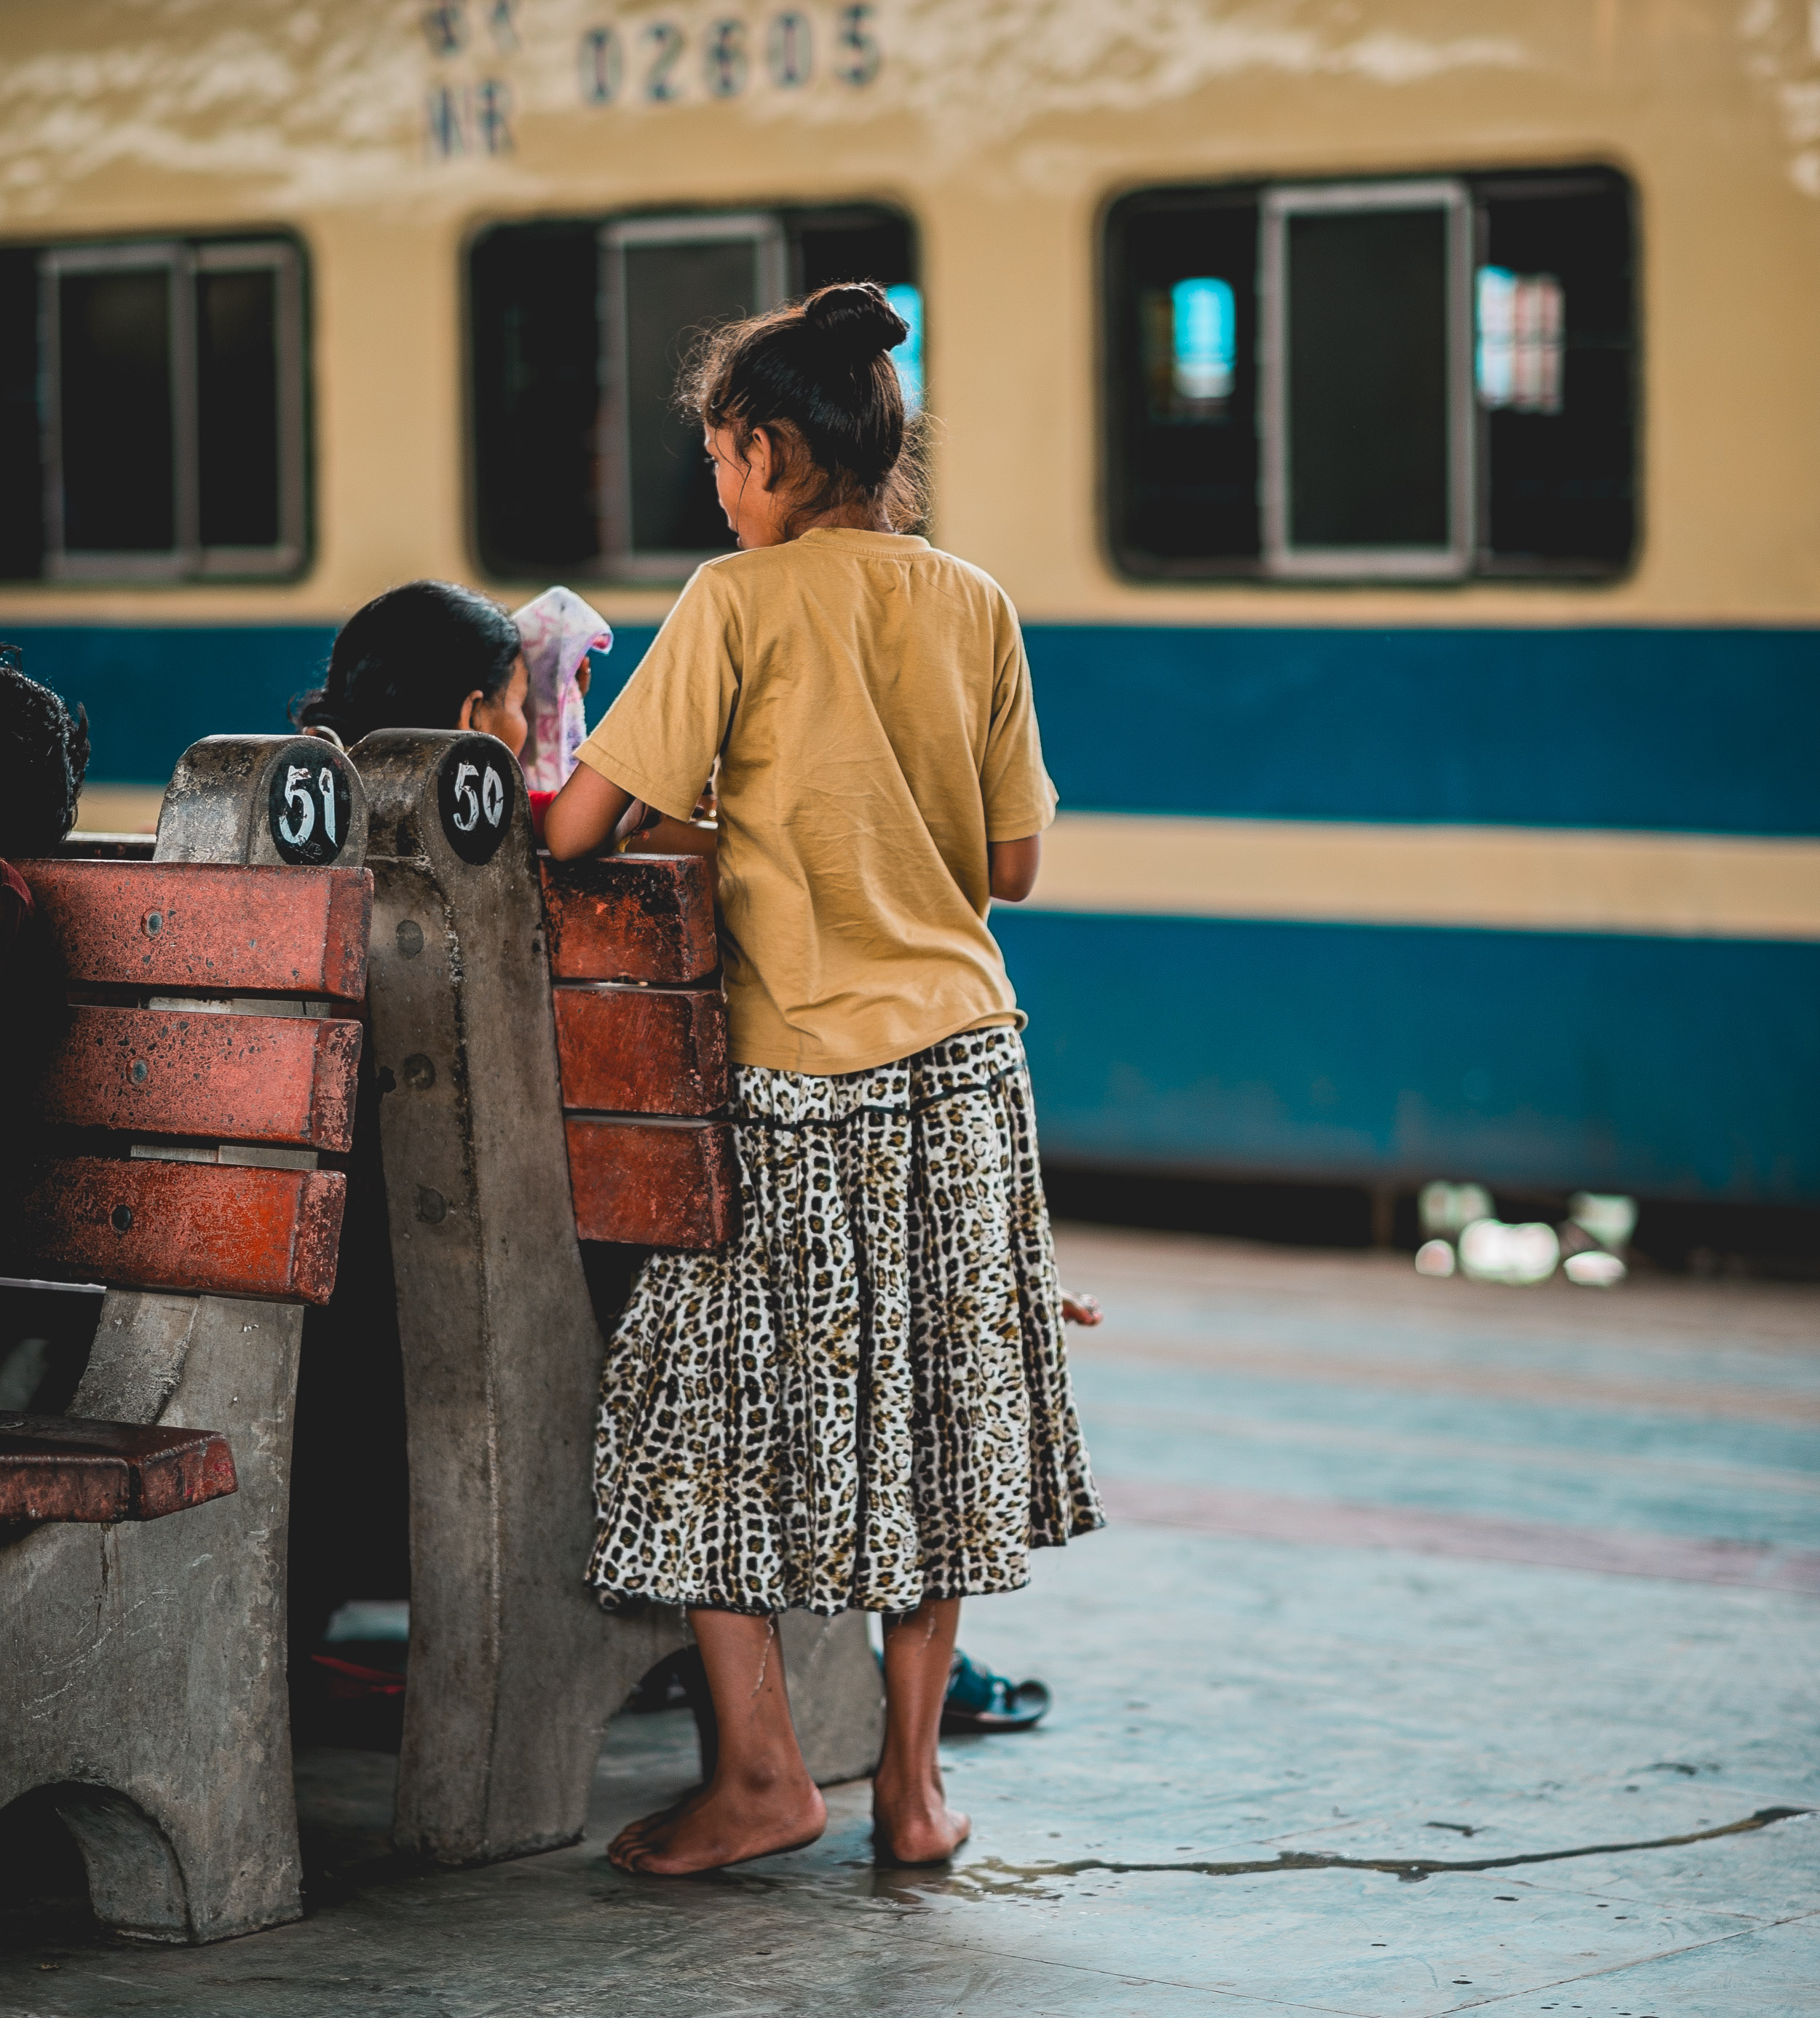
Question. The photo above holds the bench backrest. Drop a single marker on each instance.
(203, 1074)
(641, 1034)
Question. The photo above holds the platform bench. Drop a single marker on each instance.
(208, 1069)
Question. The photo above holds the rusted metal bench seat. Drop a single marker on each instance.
(550, 1046)
(65, 1468)
(208, 1070)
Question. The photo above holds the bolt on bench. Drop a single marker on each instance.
(206, 1070)
(517, 1119)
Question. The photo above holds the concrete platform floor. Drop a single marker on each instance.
(1401, 1573)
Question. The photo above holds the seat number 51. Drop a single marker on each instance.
(298, 822)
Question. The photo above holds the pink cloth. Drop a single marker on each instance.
(558, 630)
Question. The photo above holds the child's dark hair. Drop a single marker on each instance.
(43, 756)
(408, 659)
(817, 371)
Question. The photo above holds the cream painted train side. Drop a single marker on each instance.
(1421, 573)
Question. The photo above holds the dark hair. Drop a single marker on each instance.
(817, 371)
(43, 756)
(408, 659)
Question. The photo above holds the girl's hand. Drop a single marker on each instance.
(1081, 1310)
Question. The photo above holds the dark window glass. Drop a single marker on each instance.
(1367, 356)
(1183, 453)
(117, 438)
(237, 421)
(671, 291)
(1559, 481)
(21, 468)
(536, 397)
(827, 246)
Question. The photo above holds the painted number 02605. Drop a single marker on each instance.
(654, 63)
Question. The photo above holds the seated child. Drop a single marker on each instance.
(434, 655)
(426, 654)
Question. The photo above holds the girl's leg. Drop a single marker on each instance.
(912, 1821)
(760, 1798)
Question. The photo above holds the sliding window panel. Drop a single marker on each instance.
(665, 279)
(249, 410)
(1556, 365)
(1369, 422)
(117, 346)
(535, 356)
(1180, 343)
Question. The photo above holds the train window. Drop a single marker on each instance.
(581, 462)
(1409, 379)
(156, 390)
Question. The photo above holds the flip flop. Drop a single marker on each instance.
(978, 1700)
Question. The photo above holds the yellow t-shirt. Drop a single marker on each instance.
(869, 699)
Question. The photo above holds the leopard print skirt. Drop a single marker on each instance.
(862, 1400)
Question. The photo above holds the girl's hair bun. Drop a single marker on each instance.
(854, 320)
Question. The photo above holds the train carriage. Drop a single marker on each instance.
(1397, 431)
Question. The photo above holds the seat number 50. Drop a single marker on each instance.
(471, 805)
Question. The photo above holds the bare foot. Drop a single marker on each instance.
(1081, 1310)
(916, 1827)
(722, 1825)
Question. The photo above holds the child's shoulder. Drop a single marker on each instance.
(759, 571)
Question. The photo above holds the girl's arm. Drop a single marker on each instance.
(583, 816)
(1013, 865)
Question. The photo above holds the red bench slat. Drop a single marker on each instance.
(64, 1468)
(650, 1184)
(174, 1071)
(642, 1050)
(233, 1229)
(630, 917)
(194, 924)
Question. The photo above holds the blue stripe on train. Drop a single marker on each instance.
(1665, 1066)
(151, 690)
(1706, 731)
(1701, 731)
(1668, 1067)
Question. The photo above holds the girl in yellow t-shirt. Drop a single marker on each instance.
(863, 1400)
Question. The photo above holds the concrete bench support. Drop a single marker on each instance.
(514, 1669)
(143, 1665)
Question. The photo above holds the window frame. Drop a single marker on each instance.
(619, 560)
(187, 560)
(1124, 215)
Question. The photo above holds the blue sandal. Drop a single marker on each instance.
(978, 1700)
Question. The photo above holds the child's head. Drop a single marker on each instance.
(807, 400)
(43, 754)
(428, 655)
